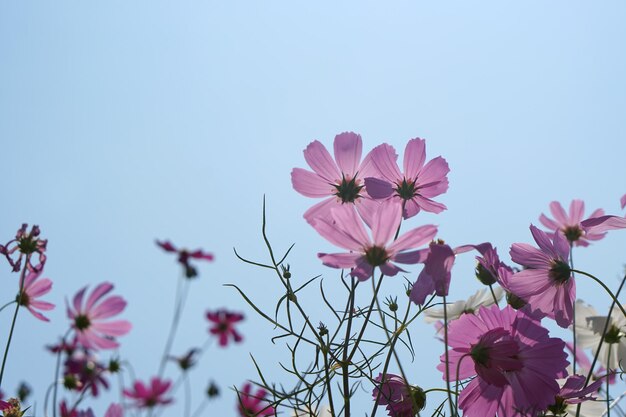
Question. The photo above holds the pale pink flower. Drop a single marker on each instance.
(223, 325)
(547, 284)
(604, 223)
(339, 181)
(89, 319)
(114, 410)
(401, 399)
(148, 396)
(253, 405)
(514, 361)
(347, 231)
(570, 223)
(419, 183)
(33, 289)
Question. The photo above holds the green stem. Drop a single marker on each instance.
(571, 264)
(7, 304)
(613, 297)
(493, 294)
(179, 301)
(445, 337)
(17, 309)
(597, 353)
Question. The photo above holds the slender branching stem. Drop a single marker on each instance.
(17, 309)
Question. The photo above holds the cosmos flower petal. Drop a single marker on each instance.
(348, 221)
(386, 222)
(310, 184)
(378, 188)
(604, 224)
(429, 205)
(414, 238)
(529, 282)
(390, 269)
(110, 307)
(100, 291)
(414, 157)
(558, 212)
(385, 160)
(113, 328)
(340, 260)
(338, 237)
(348, 147)
(433, 175)
(321, 162)
(576, 210)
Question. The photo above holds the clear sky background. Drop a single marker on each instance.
(122, 122)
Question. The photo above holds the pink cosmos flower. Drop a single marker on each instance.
(224, 325)
(514, 361)
(253, 405)
(339, 181)
(488, 265)
(419, 183)
(435, 277)
(89, 318)
(547, 284)
(569, 224)
(27, 244)
(148, 396)
(33, 289)
(185, 255)
(401, 399)
(346, 230)
(86, 372)
(604, 223)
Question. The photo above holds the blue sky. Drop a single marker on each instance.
(122, 122)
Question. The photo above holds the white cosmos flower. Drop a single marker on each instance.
(305, 411)
(589, 327)
(471, 305)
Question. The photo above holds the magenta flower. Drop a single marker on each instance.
(401, 399)
(89, 318)
(85, 372)
(33, 289)
(186, 361)
(488, 265)
(436, 274)
(148, 396)
(569, 224)
(419, 183)
(27, 244)
(435, 277)
(346, 230)
(547, 284)
(339, 181)
(604, 223)
(224, 325)
(253, 405)
(573, 392)
(514, 361)
(185, 255)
